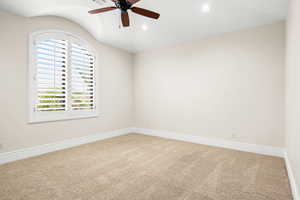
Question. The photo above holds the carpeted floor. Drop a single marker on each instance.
(137, 167)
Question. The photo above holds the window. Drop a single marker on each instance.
(62, 82)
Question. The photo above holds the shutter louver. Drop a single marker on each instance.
(82, 80)
(51, 75)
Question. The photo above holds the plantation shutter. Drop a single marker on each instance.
(62, 82)
(51, 75)
(82, 80)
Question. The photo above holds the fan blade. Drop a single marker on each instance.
(146, 13)
(125, 18)
(101, 10)
(132, 1)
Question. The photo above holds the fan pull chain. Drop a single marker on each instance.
(120, 23)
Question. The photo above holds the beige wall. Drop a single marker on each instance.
(114, 86)
(293, 89)
(223, 85)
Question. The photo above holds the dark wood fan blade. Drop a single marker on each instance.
(132, 1)
(101, 10)
(125, 18)
(146, 13)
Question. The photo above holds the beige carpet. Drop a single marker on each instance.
(137, 167)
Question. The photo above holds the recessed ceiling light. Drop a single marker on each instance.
(144, 27)
(206, 8)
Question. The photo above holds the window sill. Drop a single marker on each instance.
(46, 119)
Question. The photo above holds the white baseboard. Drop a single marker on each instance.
(292, 178)
(260, 149)
(43, 149)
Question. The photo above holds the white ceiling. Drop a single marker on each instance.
(180, 20)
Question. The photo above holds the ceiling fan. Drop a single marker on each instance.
(124, 6)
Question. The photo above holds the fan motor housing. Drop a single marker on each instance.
(123, 5)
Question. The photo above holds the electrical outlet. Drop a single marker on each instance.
(234, 136)
(1, 146)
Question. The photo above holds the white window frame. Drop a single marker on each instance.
(37, 117)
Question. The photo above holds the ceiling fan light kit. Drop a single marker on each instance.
(124, 6)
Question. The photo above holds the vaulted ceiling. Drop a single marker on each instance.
(180, 20)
